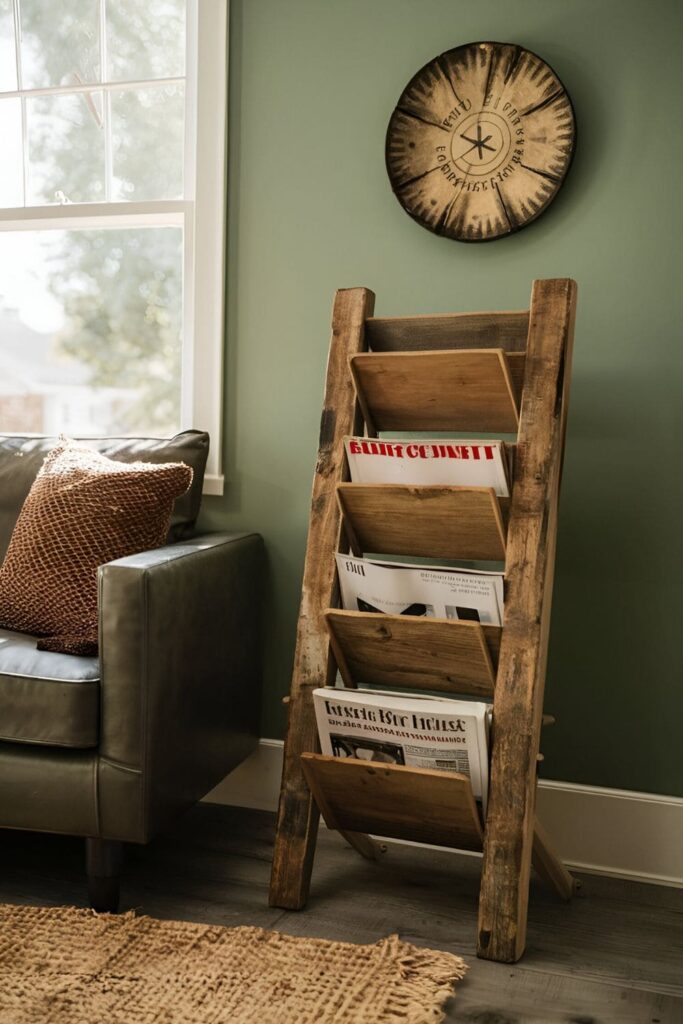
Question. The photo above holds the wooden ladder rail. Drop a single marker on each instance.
(314, 665)
(508, 846)
(520, 682)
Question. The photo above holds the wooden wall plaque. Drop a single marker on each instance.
(480, 141)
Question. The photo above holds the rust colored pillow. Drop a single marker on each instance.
(82, 511)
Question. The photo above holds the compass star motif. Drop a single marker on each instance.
(479, 144)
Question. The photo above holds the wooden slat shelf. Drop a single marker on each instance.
(451, 330)
(372, 649)
(460, 389)
(426, 522)
(419, 804)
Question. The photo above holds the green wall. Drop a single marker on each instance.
(312, 85)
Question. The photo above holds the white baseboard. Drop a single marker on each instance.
(602, 831)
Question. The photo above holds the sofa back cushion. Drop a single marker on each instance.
(22, 457)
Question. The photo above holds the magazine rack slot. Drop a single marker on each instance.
(511, 373)
(418, 804)
(348, 799)
(428, 522)
(404, 651)
(466, 389)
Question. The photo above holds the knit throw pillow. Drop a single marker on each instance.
(82, 511)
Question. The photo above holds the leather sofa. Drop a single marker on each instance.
(113, 748)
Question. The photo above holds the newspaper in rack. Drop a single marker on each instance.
(393, 728)
(398, 589)
(459, 463)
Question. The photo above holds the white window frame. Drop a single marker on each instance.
(202, 218)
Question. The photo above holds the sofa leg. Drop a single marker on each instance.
(103, 858)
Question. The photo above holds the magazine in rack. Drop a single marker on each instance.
(447, 462)
(434, 591)
(406, 729)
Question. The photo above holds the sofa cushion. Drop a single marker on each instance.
(21, 459)
(83, 511)
(45, 698)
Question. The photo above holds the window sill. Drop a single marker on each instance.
(213, 484)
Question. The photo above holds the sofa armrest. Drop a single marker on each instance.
(180, 676)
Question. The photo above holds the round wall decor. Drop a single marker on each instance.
(480, 141)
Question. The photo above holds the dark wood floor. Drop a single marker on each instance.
(614, 955)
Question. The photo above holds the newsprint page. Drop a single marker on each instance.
(393, 728)
(431, 590)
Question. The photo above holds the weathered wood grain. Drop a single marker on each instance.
(490, 995)
(366, 846)
(461, 389)
(313, 665)
(430, 522)
(408, 651)
(547, 863)
(516, 362)
(520, 681)
(418, 804)
(506, 330)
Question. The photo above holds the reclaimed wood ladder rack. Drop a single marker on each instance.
(505, 372)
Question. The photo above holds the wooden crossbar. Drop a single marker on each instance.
(421, 653)
(455, 330)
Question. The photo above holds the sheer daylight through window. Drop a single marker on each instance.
(98, 115)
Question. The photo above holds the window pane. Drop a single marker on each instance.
(60, 42)
(90, 331)
(145, 39)
(11, 165)
(66, 148)
(147, 143)
(8, 62)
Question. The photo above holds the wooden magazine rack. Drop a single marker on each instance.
(476, 372)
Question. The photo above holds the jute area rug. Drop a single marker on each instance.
(66, 966)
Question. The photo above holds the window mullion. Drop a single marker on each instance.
(16, 11)
(188, 409)
(108, 158)
(68, 90)
(154, 212)
(191, 62)
(106, 104)
(24, 149)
